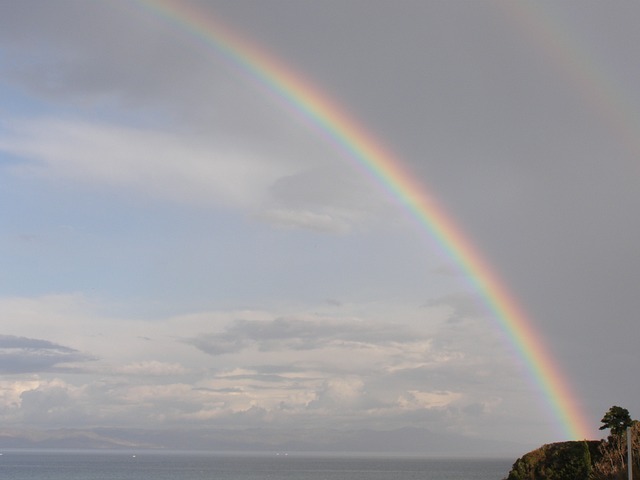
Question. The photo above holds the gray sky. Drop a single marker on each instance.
(180, 250)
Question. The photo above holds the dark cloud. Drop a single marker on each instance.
(463, 306)
(294, 334)
(83, 55)
(10, 341)
(51, 406)
(121, 54)
(537, 163)
(26, 355)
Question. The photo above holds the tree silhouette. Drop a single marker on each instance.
(617, 419)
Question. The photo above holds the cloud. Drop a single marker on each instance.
(157, 163)
(222, 156)
(341, 392)
(320, 222)
(189, 169)
(298, 334)
(330, 198)
(69, 52)
(462, 306)
(258, 367)
(415, 399)
(53, 402)
(27, 355)
(152, 368)
(283, 372)
(10, 341)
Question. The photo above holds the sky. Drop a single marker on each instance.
(181, 250)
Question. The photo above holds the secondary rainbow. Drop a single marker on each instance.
(560, 44)
(348, 135)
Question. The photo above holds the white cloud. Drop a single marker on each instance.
(332, 222)
(340, 392)
(151, 368)
(415, 399)
(191, 169)
(11, 391)
(162, 164)
(288, 368)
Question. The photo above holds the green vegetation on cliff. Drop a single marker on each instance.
(557, 461)
(587, 459)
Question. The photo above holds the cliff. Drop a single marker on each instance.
(558, 461)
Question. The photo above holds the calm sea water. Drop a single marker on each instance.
(30, 465)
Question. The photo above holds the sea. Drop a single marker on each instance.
(118, 465)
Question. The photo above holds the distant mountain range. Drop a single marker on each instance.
(408, 441)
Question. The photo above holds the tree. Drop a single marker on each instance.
(611, 460)
(617, 419)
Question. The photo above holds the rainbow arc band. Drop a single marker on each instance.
(389, 172)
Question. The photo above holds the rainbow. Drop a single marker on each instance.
(558, 44)
(346, 133)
